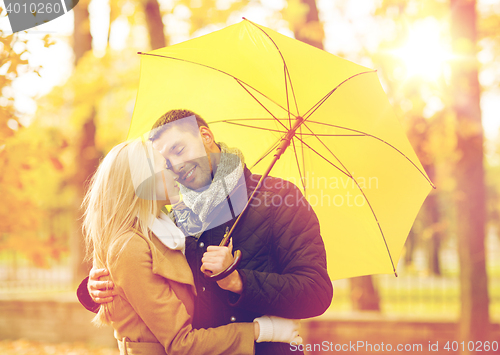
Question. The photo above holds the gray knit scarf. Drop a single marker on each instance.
(229, 171)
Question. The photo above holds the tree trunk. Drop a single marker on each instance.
(470, 195)
(434, 222)
(87, 159)
(409, 248)
(364, 296)
(82, 39)
(311, 30)
(155, 24)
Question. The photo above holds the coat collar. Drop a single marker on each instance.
(168, 263)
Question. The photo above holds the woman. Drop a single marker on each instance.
(127, 233)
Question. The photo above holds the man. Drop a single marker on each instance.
(283, 267)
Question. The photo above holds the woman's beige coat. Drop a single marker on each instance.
(155, 304)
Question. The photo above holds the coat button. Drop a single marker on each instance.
(201, 244)
(233, 319)
(203, 289)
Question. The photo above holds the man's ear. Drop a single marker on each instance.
(208, 140)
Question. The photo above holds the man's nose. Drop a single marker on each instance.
(177, 166)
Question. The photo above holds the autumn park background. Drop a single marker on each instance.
(67, 94)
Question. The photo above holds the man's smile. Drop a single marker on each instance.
(189, 176)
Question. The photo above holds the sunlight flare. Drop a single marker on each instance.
(425, 53)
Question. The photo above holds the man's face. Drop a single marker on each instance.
(186, 156)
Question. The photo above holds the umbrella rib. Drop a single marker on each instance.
(328, 161)
(327, 148)
(332, 135)
(261, 128)
(220, 71)
(293, 91)
(284, 132)
(360, 190)
(287, 100)
(248, 119)
(273, 146)
(234, 120)
(378, 224)
(320, 102)
(303, 159)
(381, 140)
(285, 68)
(260, 103)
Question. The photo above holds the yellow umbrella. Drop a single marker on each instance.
(261, 91)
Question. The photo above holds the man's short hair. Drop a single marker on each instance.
(173, 118)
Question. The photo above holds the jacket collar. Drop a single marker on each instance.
(168, 263)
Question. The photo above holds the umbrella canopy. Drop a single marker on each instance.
(349, 154)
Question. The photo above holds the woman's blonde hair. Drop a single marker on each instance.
(121, 197)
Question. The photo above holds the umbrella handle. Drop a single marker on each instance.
(237, 258)
(229, 270)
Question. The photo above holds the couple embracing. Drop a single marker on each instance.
(148, 279)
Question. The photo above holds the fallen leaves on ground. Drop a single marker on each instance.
(25, 347)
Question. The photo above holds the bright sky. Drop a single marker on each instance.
(347, 28)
